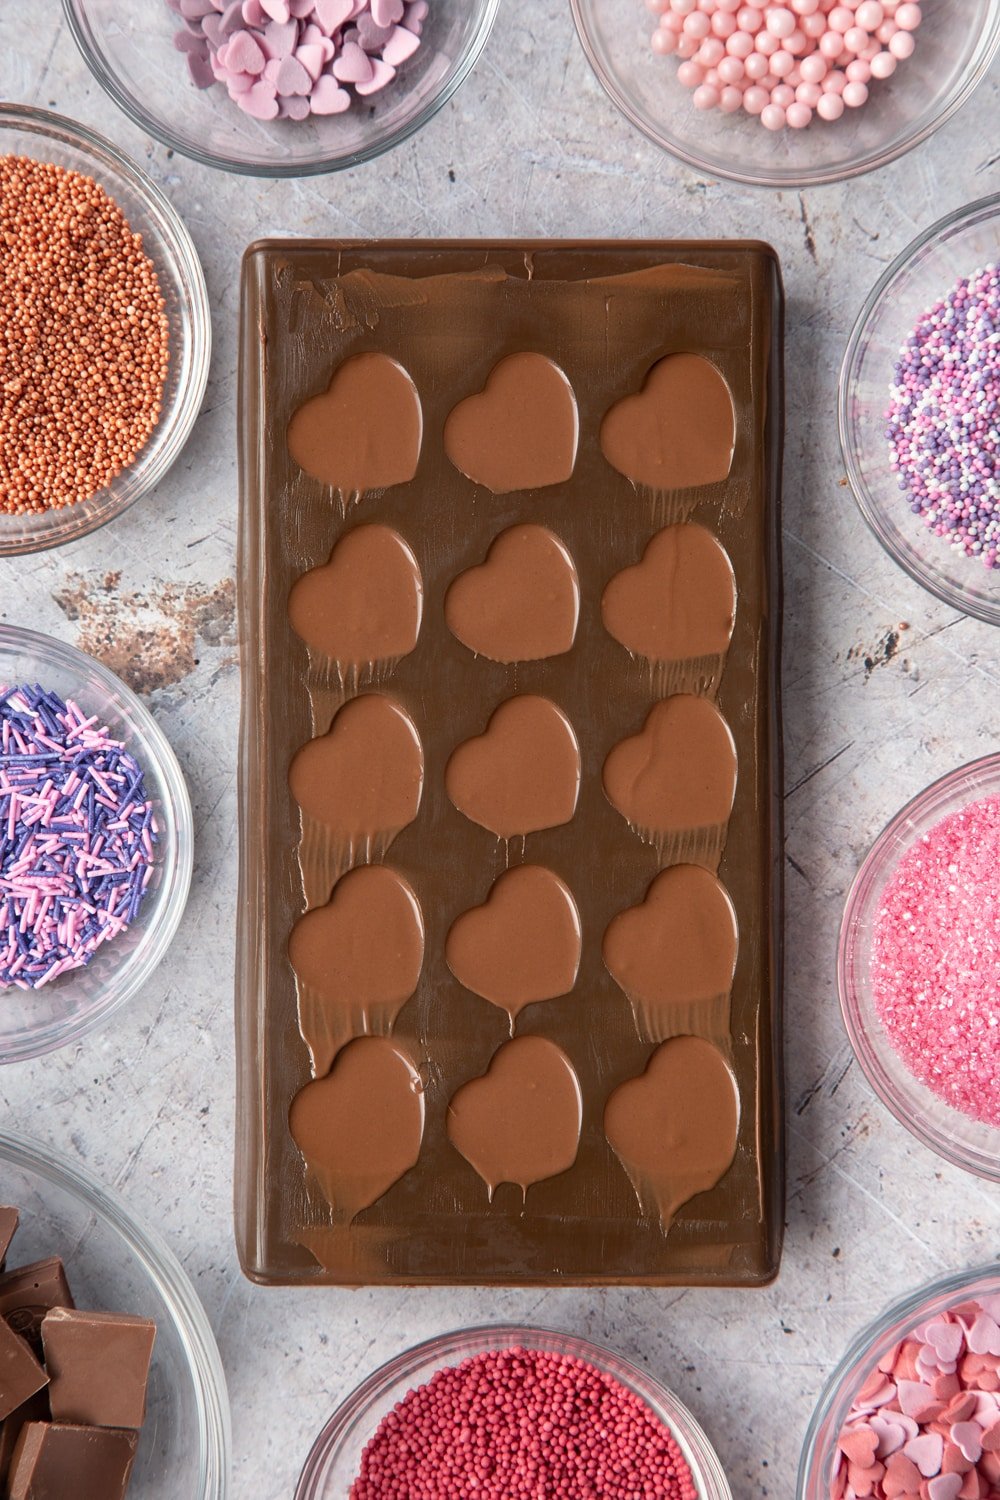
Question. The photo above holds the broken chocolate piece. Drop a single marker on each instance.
(28, 1293)
(53, 1461)
(98, 1365)
(9, 1218)
(35, 1409)
(21, 1376)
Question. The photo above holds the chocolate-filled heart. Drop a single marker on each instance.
(679, 602)
(522, 603)
(674, 955)
(520, 1122)
(677, 776)
(363, 779)
(364, 431)
(520, 431)
(361, 1127)
(522, 945)
(522, 774)
(364, 605)
(357, 960)
(678, 431)
(674, 1129)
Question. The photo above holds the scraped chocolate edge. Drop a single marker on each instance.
(253, 1235)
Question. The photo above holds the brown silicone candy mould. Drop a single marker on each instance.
(542, 329)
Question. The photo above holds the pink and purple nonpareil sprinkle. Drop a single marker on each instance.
(936, 959)
(925, 1424)
(288, 59)
(943, 422)
(77, 837)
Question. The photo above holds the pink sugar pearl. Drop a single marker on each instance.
(936, 959)
(516, 1424)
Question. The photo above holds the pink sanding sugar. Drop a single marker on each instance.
(520, 1424)
(936, 959)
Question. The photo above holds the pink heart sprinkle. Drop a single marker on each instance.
(858, 1445)
(271, 70)
(382, 74)
(984, 1336)
(353, 65)
(331, 14)
(327, 99)
(890, 1436)
(293, 78)
(240, 83)
(944, 1487)
(295, 108)
(401, 45)
(281, 38)
(914, 1398)
(277, 9)
(300, 8)
(902, 1477)
(312, 59)
(260, 101)
(253, 14)
(946, 1340)
(969, 1437)
(926, 1451)
(386, 12)
(242, 54)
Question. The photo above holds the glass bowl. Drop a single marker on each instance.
(959, 1139)
(33, 1022)
(955, 247)
(114, 1265)
(333, 1464)
(955, 46)
(130, 51)
(46, 137)
(815, 1467)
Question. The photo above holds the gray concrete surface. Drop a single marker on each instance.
(531, 146)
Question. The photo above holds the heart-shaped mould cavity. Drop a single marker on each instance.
(520, 431)
(520, 1122)
(361, 1127)
(678, 432)
(363, 779)
(522, 945)
(522, 774)
(676, 607)
(522, 603)
(674, 955)
(674, 782)
(674, 1129)
(364, 606)
(364, 431)
(357, 960)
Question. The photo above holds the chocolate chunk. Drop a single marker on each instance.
(9, 1219)
(98, 1365)
(54, 1461)
(20, 1373)
(35, 1409)
(28, 1293)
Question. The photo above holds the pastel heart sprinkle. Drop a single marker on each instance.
(319, 44)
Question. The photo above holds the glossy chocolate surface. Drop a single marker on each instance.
(607, 316)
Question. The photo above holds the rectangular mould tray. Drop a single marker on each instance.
(436, 1225)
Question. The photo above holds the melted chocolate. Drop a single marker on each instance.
(674, 782)
(522, 603)
(521, 1121)
(679, 431)
(520, 432)
(357, 960)
(523, 774)
(676, 607)
(364, 431)
(360, 1128)
(522, 945)
(674, 955)
(675, 1128)
(364, 606)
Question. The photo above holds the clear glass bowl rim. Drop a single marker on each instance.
(459, 1344)
(906, 1311)
(49, 125)
(970, 213)
(164, 1270)
(791, 179)
(933, 799)
(178, 851)
(278, 169)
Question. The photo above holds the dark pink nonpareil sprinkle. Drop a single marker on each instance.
(936, 959)
(519, 1424)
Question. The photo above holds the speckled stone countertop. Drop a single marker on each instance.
(885, 689)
